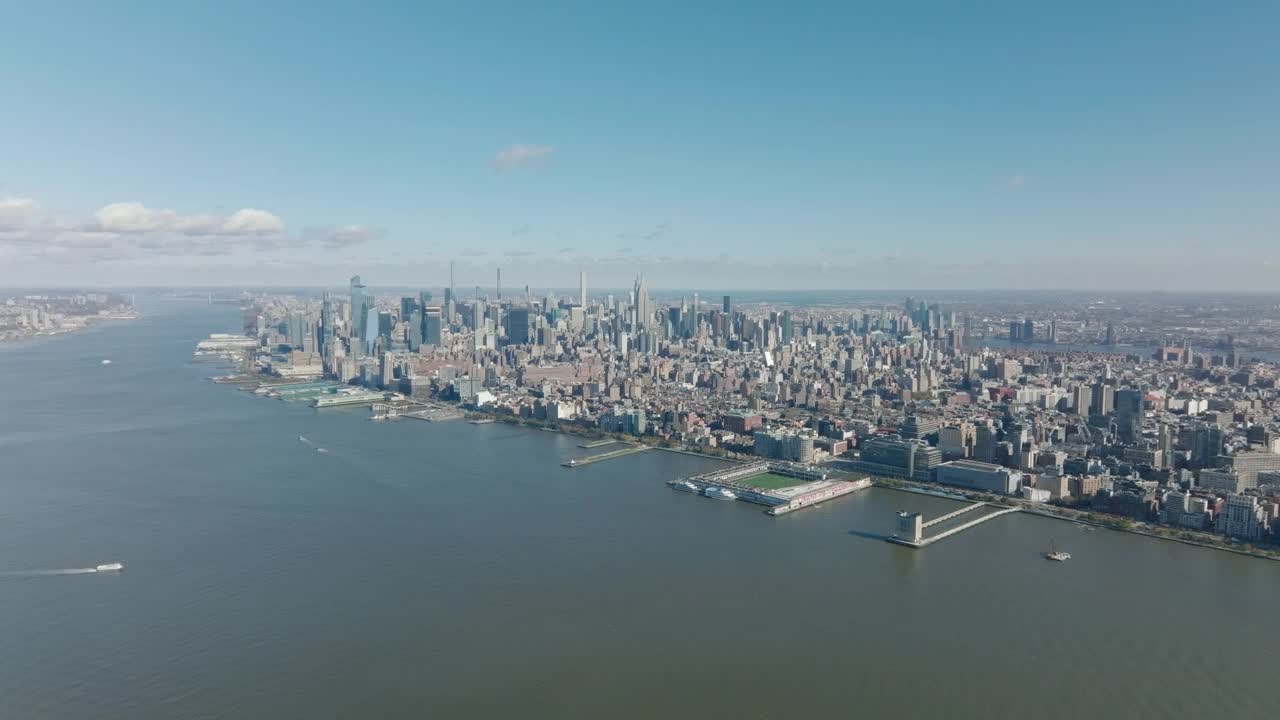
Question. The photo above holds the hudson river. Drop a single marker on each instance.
(448, 570)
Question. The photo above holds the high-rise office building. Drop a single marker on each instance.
(728, 306)
(1103, 399)
(360, 303)
(582, 288)
(897, 457)
(370, 329)
(297, 329)
(518, 326)
(415, 330)
(1128, 414)
(1206, 445)
(1082, 398)
(431, 327)
(644, 312)
(477, 315)
(326, 321)
(450, 299)
(984, 443)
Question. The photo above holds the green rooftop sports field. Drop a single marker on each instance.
(771, 481)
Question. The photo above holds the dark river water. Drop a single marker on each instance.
(448, 570)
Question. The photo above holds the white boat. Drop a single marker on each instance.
(685, 486)
(1053, 553)
(719, 493)
(110, 567)
(106, 362)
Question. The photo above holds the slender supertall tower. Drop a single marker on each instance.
(641, 299)
(582, 288)
(499, 286)
(450, 297)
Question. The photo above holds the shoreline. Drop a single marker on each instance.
(1157, 536)
(1084, 521)
(93, 322)
(880, 482)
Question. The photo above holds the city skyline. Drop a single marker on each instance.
(1010, 147)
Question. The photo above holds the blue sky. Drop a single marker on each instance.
(835, 145)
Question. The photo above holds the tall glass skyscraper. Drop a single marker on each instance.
(360, 304)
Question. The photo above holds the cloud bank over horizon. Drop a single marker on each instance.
(130, 234)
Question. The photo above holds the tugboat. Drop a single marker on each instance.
(1053, 553)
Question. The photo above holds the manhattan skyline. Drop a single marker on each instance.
(824, 147)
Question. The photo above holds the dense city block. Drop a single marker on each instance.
(1154, 412)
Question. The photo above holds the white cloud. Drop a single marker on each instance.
(133, 231)
(134, 218)
(252, 222)
(16, 212)
(520, 155)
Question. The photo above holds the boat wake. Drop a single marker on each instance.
(49, 573)
(114, 567)
(302, 439)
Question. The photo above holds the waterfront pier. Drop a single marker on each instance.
(432, 411)
(743, 482)
(578, 462)
(911, 526)
(948, 516)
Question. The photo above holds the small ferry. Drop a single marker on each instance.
(110, 567)
(720, 493)
(684, 486)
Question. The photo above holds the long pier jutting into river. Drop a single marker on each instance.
(911, 526)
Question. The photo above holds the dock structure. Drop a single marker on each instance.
(948, 516)
(354, 397)
(812, 489)
(597, 443)
(911, 526)
(433, 414)
(305, 391)
(579, 462)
